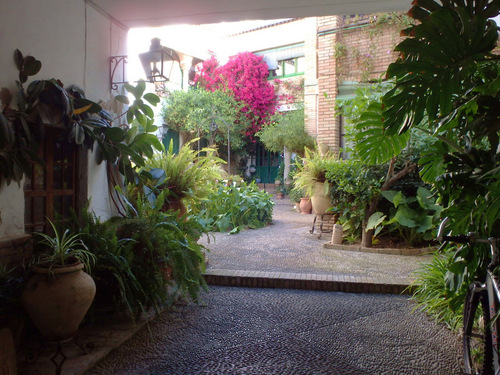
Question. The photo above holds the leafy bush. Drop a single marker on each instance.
(139, 255)
(353, 185)
(414, 217)
(190, 175)
(434, 297)
(286, 130)
(195, 112)
(234, 206)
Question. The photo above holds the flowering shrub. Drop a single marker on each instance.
(290, 90)
(245, 77)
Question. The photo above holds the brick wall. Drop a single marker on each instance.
(348, 51)
(311, 78)
(328, 127)
(369, 50)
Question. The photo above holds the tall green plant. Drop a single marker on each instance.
(312, 169)
(138, 256)
(353, 186)
(448, 76)
(449, 73)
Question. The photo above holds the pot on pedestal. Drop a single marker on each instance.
(320, 200)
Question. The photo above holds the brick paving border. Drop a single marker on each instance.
(318, 282)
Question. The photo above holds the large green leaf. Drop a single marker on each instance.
(375, 220)
(406, 217)
(374, 144)
(437, 64)
(152, 99)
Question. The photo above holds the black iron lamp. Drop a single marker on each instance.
(158, 62)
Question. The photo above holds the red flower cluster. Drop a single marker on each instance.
(245, 76)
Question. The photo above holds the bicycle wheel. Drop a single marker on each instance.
(477, 345)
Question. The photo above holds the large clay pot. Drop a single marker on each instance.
(305, 206)
(320, 201)
(58, 299)
(7, 353)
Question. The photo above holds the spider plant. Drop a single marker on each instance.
(63, 248)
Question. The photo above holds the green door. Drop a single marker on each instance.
(267, 165)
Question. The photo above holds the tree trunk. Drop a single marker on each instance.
(366, 237)
(391, 178)
(287, 156)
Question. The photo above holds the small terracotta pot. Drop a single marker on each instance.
(58, 299)
(305, 206)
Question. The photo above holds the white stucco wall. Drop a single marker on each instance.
(74, 43)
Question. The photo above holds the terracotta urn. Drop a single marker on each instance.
(305, 206)
(57, 299)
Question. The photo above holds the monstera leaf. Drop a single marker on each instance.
(438, 62)
(373, 143)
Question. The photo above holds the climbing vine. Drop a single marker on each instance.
(356, 59)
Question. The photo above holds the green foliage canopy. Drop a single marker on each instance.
(286, 130)
(196, 111)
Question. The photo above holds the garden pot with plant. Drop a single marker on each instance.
(188, 176)
(59, 293)
(311, 178)
(320, 200)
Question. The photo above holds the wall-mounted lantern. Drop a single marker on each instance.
(158, 62)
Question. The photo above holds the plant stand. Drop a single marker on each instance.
(58, 358)
(321, 224)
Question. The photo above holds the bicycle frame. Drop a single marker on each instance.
(493, 291)
(490, 284)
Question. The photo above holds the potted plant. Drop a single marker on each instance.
(302, 202)
(59, 293)
(187, 176)
(311, 178)
(280, 192)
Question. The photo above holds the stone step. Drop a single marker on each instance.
(318, 282)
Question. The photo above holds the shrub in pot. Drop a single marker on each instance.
(59, 293)
(311, 177)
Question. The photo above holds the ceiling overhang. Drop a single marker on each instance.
(153, 13)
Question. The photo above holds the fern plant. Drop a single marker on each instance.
(189, 175)
(312, 170)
